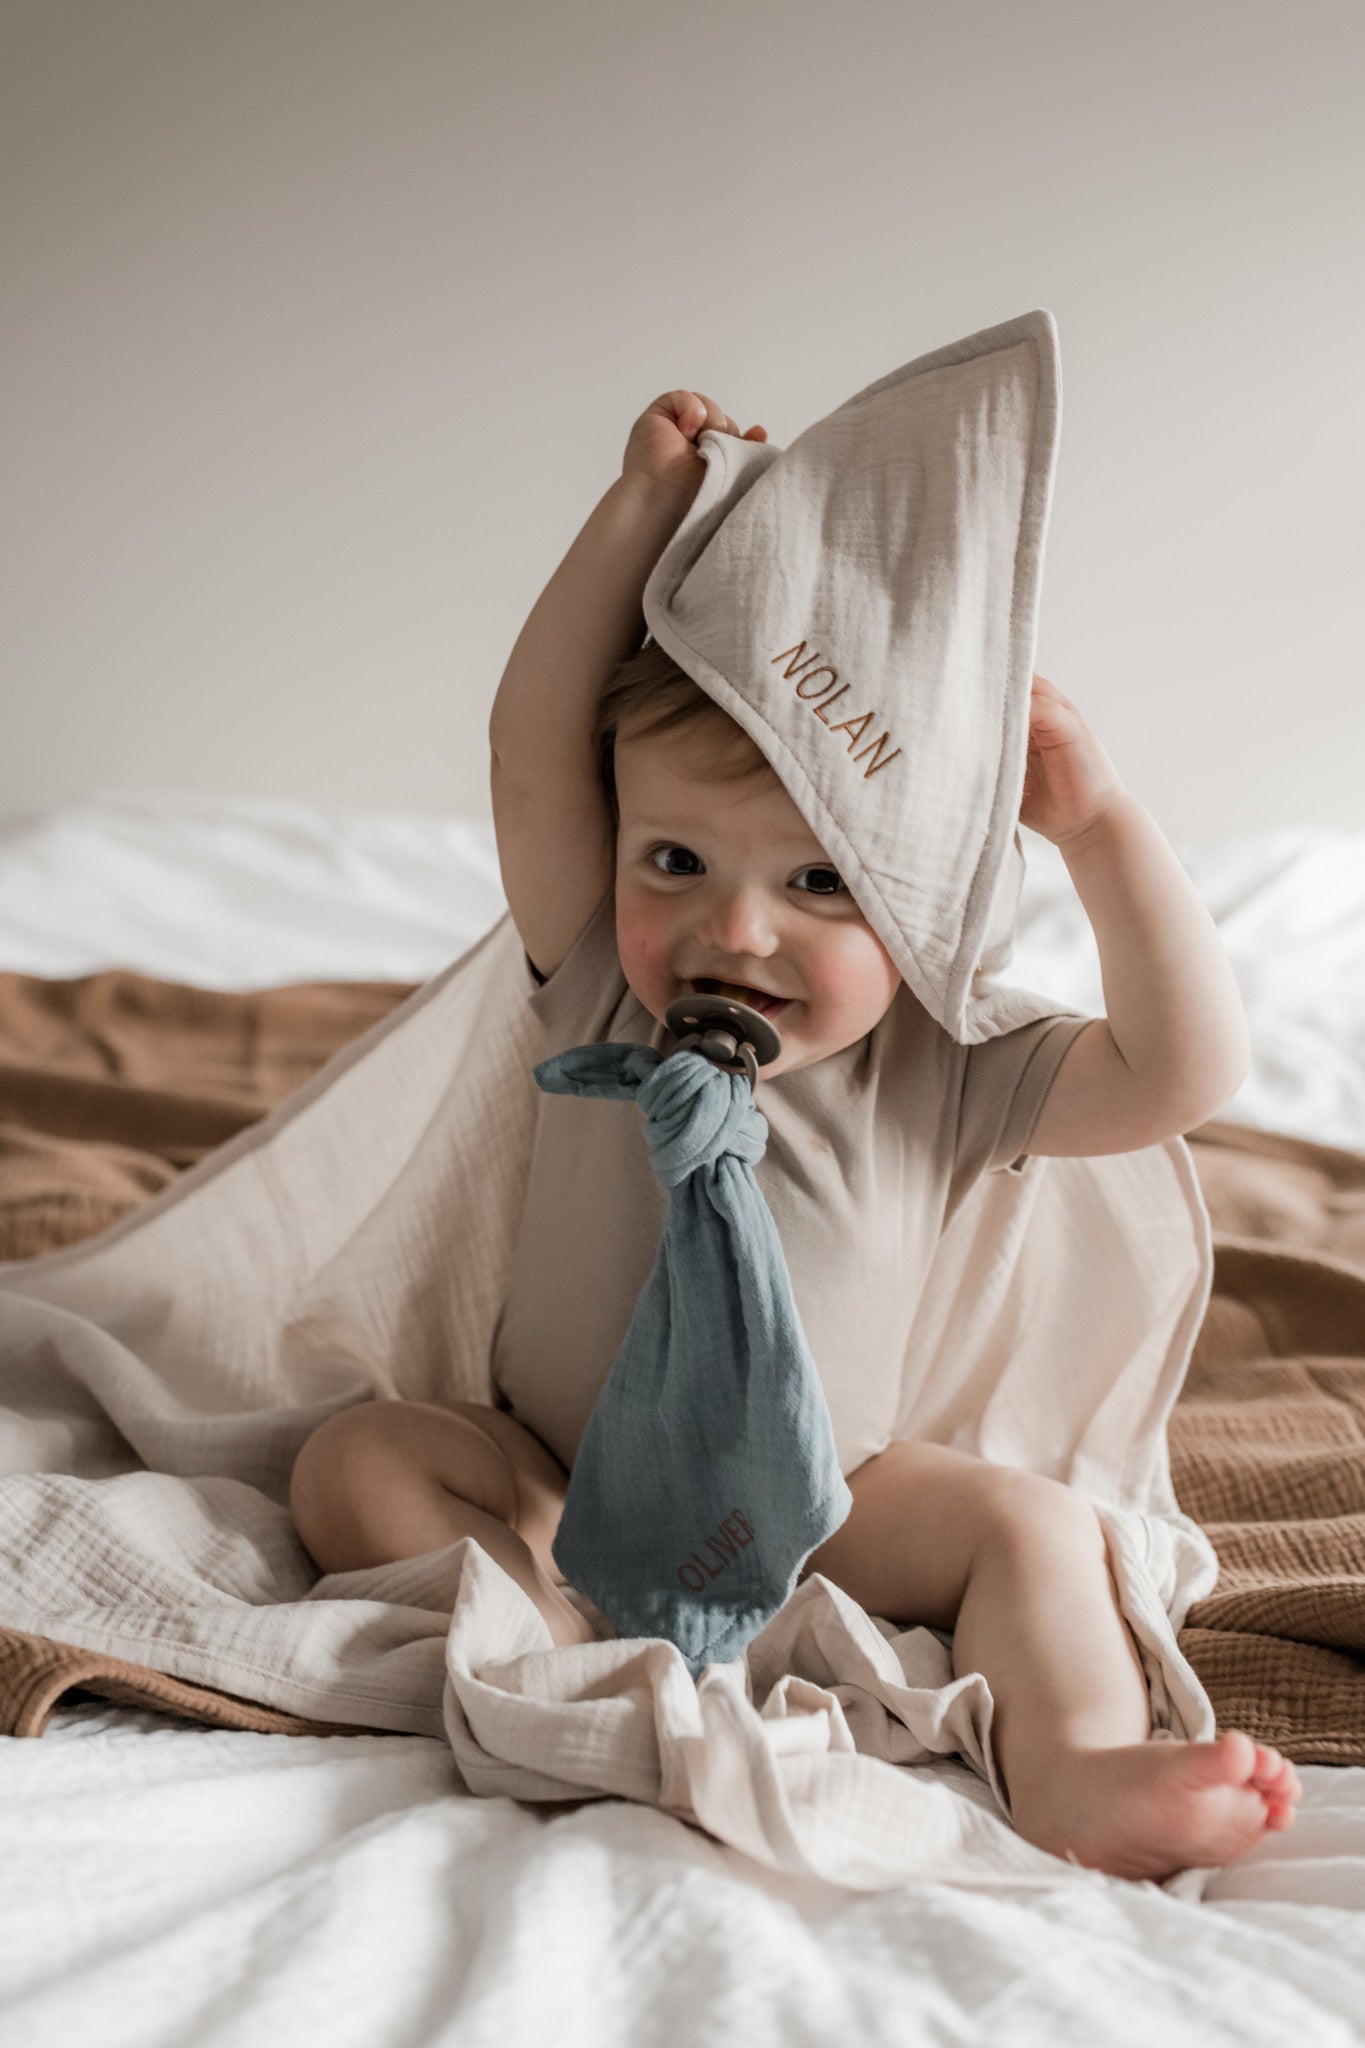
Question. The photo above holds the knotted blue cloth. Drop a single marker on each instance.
(707, 1472)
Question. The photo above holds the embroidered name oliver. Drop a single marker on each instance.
(800, 672)
(724, 1546)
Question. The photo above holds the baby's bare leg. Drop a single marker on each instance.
(391, 1479)
(1016, 1566)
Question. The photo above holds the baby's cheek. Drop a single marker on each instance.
(642, 942)
(856, 980)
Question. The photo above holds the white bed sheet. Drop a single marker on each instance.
(165, 1884)
(168, 1887)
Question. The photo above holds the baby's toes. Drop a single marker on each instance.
(1287, 1794)
(1232, 1758)
(1269, 1769)
(1281, 1794)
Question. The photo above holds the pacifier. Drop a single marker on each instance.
(732, 1035)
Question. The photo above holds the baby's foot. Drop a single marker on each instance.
(1153, 1808)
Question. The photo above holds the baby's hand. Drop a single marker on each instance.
(1069, 779)
(661, 441)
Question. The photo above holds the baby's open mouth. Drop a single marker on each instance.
(756, 998)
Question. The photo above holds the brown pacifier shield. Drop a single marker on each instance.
(730, 1034)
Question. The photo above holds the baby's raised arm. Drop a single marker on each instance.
(550, 815)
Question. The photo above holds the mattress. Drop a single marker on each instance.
(164, 1883)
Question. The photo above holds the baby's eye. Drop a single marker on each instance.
(829, 881)
(667, 852)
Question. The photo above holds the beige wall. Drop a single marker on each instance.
(326, 323)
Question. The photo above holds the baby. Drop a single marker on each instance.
(649, 850)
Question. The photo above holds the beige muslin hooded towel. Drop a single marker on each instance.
(864, 603)
(157, 1381)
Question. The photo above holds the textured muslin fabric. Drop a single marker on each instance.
(864, 603)
(158, 1380)
(708, 1471)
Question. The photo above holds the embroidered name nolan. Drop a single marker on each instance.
(724, 1547)
(819, 686)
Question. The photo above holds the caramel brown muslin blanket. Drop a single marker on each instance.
(113, 1083)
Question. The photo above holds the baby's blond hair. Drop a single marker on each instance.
(648, 694)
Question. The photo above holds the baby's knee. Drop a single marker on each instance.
(364, 1458)
(327, 1471)
(350, 1463)
(1029, 1507)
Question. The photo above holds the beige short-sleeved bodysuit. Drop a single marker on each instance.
(869, 1152)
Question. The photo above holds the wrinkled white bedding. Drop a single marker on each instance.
(167, 1884)
(162, 1885)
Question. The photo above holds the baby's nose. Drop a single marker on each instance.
(741, 921)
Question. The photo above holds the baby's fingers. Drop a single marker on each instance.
(716, 415)
(694, 412)
(725, 425)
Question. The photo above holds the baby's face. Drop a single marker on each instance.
(722, 881)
